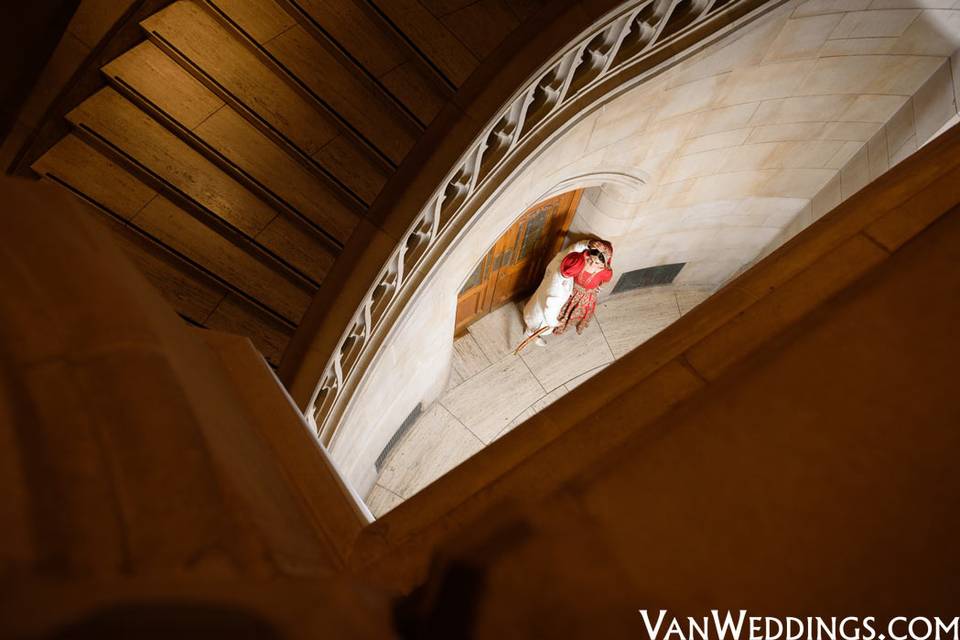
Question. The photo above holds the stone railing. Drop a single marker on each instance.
(621, 49)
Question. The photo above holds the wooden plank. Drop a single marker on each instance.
(182, 232)
(190, 175)
(204, 302)
(268, 336)
(523, 9)
(431, 36)
(298, 247)
(158, 79)
(207, 49)
(190, 294)
(316, 100)
(148, 143)
(262, 19)
(440, 8)
(164, 82)
(79, 164)
(359, 176)
(370, 41)
(210, 48)
(364, 109)
(482, 25)
(187, 290)
(352, 27)
(407, 83)
(228, 133)
(384, 125)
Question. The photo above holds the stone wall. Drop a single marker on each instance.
(154, 476)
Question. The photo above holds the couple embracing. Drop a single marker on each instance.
(568, 293)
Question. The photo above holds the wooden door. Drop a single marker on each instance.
(512, 269)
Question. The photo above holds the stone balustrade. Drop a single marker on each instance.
(619, 50)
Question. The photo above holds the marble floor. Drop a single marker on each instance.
(492, 391)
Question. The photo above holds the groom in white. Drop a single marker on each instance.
(545, 308)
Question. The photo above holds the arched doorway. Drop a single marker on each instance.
(512, 268)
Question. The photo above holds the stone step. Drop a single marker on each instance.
(367, 114)
(194, 291)
(198, 41)
(206, 214)
(149, 78)
(361, 36)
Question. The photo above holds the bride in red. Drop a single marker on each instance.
(589, 269)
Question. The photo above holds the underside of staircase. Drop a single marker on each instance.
(238, 145)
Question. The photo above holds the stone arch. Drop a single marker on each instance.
(765, 147)
(625, 182)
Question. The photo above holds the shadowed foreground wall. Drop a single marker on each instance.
(818, 477)
(154, 477)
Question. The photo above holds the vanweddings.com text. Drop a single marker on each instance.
(738, 625)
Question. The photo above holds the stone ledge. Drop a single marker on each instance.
(335, 511)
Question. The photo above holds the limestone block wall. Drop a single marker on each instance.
(744, 148)
(714, 162)
(407, 372)
(926, 114)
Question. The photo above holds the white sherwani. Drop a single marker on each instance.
(543, 308)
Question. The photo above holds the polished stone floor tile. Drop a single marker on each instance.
(381, 500)
(535, 408)
(630, 319)
(453, 379)
(499, 332)
(468, 358)
(525, 415)
(689, 298)
(566, 357)
(490, 400)
(436, 443)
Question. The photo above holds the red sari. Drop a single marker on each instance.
(580, 306)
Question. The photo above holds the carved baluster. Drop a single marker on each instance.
(684, 13)
(398, 261)
(546, 96)
(367, 321)
(624, 30)
(337, 370)
(568, 66)
(435, 228)
(593, 58)
(664, 11)
(526, 100)
(382, 293)
(474, 163)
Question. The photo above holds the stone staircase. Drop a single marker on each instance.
(236, 147)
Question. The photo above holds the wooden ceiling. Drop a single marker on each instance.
(236, 147)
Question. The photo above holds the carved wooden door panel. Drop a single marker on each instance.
(513, 267)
